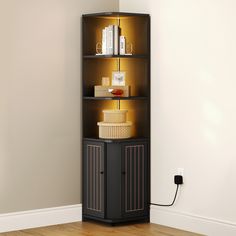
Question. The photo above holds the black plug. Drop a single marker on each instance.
(178, 179)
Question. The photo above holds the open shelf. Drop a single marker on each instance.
(136, 69)
(138, 114)
(134, 27)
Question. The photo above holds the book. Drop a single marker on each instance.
(110, 40)
(116, 39)
(107, 39)
(104, 42)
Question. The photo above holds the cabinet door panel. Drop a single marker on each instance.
(135, 182)
(94, 179)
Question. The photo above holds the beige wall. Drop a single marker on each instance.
(193, 110)
(40, 69)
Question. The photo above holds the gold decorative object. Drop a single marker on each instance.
(99, 48)
(129, 48)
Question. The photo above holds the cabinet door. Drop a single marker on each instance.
(93, 179)
(135, 160)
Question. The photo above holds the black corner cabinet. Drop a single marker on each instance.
(116, 172)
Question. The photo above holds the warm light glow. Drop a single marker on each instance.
(136, 114)
(136, 72)
(132, 28)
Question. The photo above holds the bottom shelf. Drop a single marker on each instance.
(145, 218)
(135, 139)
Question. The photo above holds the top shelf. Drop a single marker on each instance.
(116, 56)
(115, 15)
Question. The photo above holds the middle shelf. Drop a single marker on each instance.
(136, 72)
(116, 98)
(115, 56)
(137, 114)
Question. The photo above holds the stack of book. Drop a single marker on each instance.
(112, 42)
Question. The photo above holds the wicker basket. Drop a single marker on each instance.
(115, 116)
(115, 130)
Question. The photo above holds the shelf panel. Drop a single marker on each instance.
(116, 98)
(135, 139)
(115, 14)
(115, 56)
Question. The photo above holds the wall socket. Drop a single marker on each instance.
(180, 171)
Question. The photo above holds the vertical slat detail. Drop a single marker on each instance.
(138, 177)
(94, 178)
(143, 169)
(126, 178)
(130, 178)
(134, 179)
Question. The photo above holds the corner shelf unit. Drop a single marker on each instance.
(116, 172)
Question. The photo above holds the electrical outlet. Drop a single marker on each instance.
(180, 171)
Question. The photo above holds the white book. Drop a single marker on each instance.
(116, 39)
(122, 45)
(110, 40)
(107, 40)
(104, 42)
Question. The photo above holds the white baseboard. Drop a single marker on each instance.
(193, 223)
(41, 217)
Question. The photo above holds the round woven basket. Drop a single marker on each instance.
(115, 130)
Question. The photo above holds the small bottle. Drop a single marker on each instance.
(105, 81)
(122, 45)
